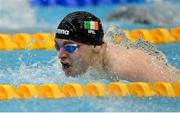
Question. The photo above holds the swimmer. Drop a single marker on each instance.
(79, 40)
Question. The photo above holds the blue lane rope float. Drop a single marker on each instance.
(72, 90)
(80, 2)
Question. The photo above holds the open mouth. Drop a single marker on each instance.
(65, 65)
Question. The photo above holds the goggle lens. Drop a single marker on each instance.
(70, 48)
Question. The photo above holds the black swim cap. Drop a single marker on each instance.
(81, 27)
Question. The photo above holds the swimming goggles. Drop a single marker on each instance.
(70, 48)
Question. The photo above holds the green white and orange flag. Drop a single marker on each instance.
(91, 25)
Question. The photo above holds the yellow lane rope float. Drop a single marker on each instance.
(70, 90)
(46, 40)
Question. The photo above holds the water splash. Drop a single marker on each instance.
(41, 73)
(144, 46)
(16, 14)
(113, 31)
(165, 15)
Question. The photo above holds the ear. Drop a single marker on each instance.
(96, 49)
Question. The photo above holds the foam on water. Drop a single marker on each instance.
(15, 14)
(155, 13)
(41, 73)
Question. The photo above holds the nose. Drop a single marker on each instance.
(62, 54)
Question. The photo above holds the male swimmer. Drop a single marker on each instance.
(79, 40)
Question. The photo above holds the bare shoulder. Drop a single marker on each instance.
(135, 64)
(114, 51)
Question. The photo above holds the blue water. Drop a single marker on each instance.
(104, 104)
(41, 66)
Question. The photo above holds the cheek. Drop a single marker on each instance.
(80, 60)
(77, 59)
(79, 64)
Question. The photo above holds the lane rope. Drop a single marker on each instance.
(70, 90)
(45, 41)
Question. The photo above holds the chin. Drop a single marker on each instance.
(72, 73)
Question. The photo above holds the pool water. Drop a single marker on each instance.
(42, 66)
(39, 67)
(89, 104)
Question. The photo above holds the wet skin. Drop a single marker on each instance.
(127, 64)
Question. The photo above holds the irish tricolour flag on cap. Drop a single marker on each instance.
(91, 25)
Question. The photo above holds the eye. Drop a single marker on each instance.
(71, 48)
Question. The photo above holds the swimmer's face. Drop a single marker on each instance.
(75, 63)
